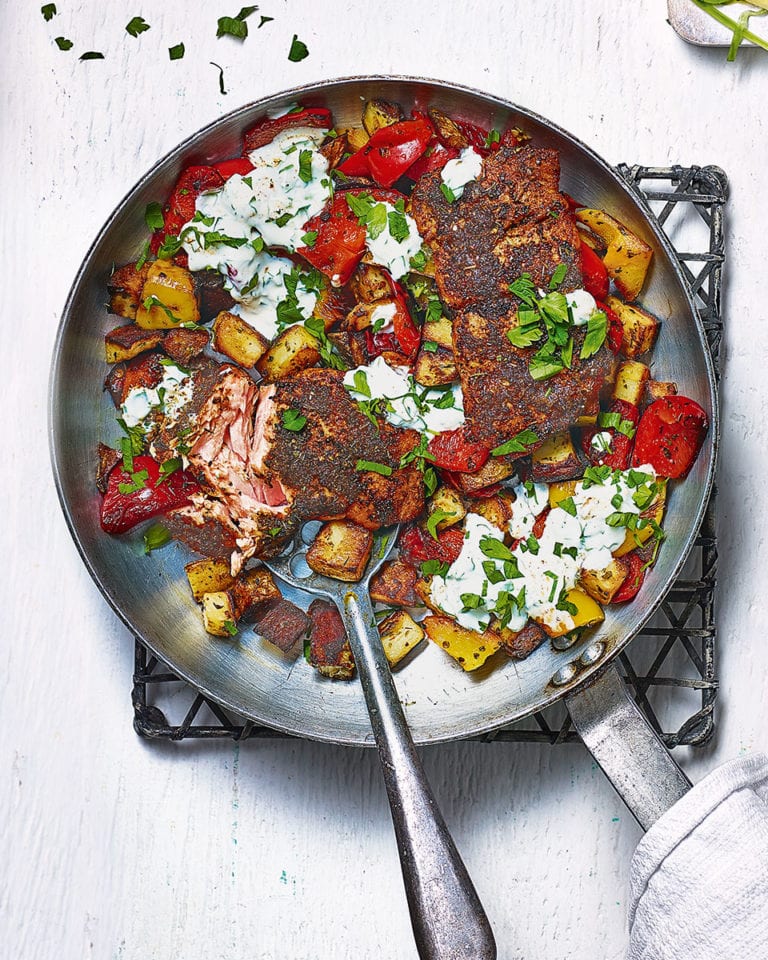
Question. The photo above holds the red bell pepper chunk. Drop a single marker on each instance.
(122, 510)
(340, 242)
(619, 454)
(594, 273)
(633, 580)
(453, 451)
(435, 158)
(669, 436)
(417, 545)
(228, 168)
(267, 129)
(615, 336)
(390, 152)
(180, 209)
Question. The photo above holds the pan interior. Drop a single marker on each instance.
(247, 674)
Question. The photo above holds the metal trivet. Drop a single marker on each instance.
(670, 666)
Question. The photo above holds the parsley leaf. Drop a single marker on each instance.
(222, 88)
(153, 216)
(63, 44)
(523, 337)
(398, 226)
(495, 549)
(558, 276)
(446, 191)
(231, 627)
(517, 444)
(155, 537)
(435, 518)
(305, 166)
(568, 505)
(370, 466)
(542, 367)
(136, 26)
(264, 20)
(434, 568)
(92, 55)
(294, 420)
(309, 239)
(298, 50)
(48, 11)
(176, 52)
(597, 330)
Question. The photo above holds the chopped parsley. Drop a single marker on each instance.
(434, 568)
(435, 519)
(153, 216)
(92, 55)
(136, 26)
(176, 52)
(155, 537)
(231, 627)
(517, 444)
(48, 11)
(294, 420)
(137, 482)
(309, 239)
(167, 468)
(222, 88)
(298, 50)
(446, 191)
(305, 166)
(371, 466)
(63, 44)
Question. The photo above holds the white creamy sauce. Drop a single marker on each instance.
(456, 174)
(382, 318)
(601, 442)
(582, 305)
(568, 544)
(394, 254)
(408, 404)
(172, 393)
(260, 297)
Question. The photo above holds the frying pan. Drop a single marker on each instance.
(151, 595)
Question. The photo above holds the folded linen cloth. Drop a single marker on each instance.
(699, 877)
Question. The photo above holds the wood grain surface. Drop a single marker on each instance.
(115, 848)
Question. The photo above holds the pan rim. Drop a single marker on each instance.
(321, 87)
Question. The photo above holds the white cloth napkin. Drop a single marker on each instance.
(699, 877)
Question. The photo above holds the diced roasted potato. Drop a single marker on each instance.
(341, 550)
(423, 590)
(639, 327)
(439, 332)
(636, 538)
(331, 306)
(395, 584)
(520, 644)
(399, 634)
(212, 295)
(237, 339)
(356, 137)
(631, 378)
(281, 623)
(659, 388)
(334, 149)
(208, 576)
(496, 510)
(329, 649)
(435, 366)
(294, 349)
(370, 283)
(380, 113)
(251, 590)
(467, 647)
(626, 257)
(219, 616)
(184, 345)
(602, 585)
(561, 491)
(494, 471)
(108, 459)
(556, 459)
(127, 342)
(588, 612)
(449, 502)
(363, 315)
(124, 288)
(167, 297)
(447, 129)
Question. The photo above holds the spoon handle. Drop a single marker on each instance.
(448, 920)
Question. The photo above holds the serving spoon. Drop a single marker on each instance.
(448, 920)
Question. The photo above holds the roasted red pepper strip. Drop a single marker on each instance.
(594, 273)
(633, 580)
(615, 337)
(267, 129)
(121, 511)
(669, 436)
(180, 209)
(453, 451)
(228, 168)
(390, 152)
(435, 158)
(417, 545)
(404, 340)
(618, 457)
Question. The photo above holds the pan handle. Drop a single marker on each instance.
(627, 748)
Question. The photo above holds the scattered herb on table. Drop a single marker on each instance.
(136, 26)
(298, 50)
(176, 52)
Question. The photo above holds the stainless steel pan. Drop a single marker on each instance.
(151, 595)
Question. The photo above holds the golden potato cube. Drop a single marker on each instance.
(602, 585)
(423, 590)
(341, 550)
(294, 349)
(251, 590)
(631, 378)
(561, 491)
(237, 339)
(660, 388)
(370, 283)
(640, 328)
(627, 257)
(494, 471)
(127, 342)
(124, 288)
(588, 613)
(356, 137)
(395, 584)
(435, 367)
(380, 113)
(555, 459)
(496, 510)
(219, 618)
(447, 500)
(468, 648)
(208, 576)
(447, 129)
(167, 297)
(399, 634)
(439, 332)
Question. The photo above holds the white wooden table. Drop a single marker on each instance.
(115, 848)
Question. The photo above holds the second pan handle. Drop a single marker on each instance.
(626, 747)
